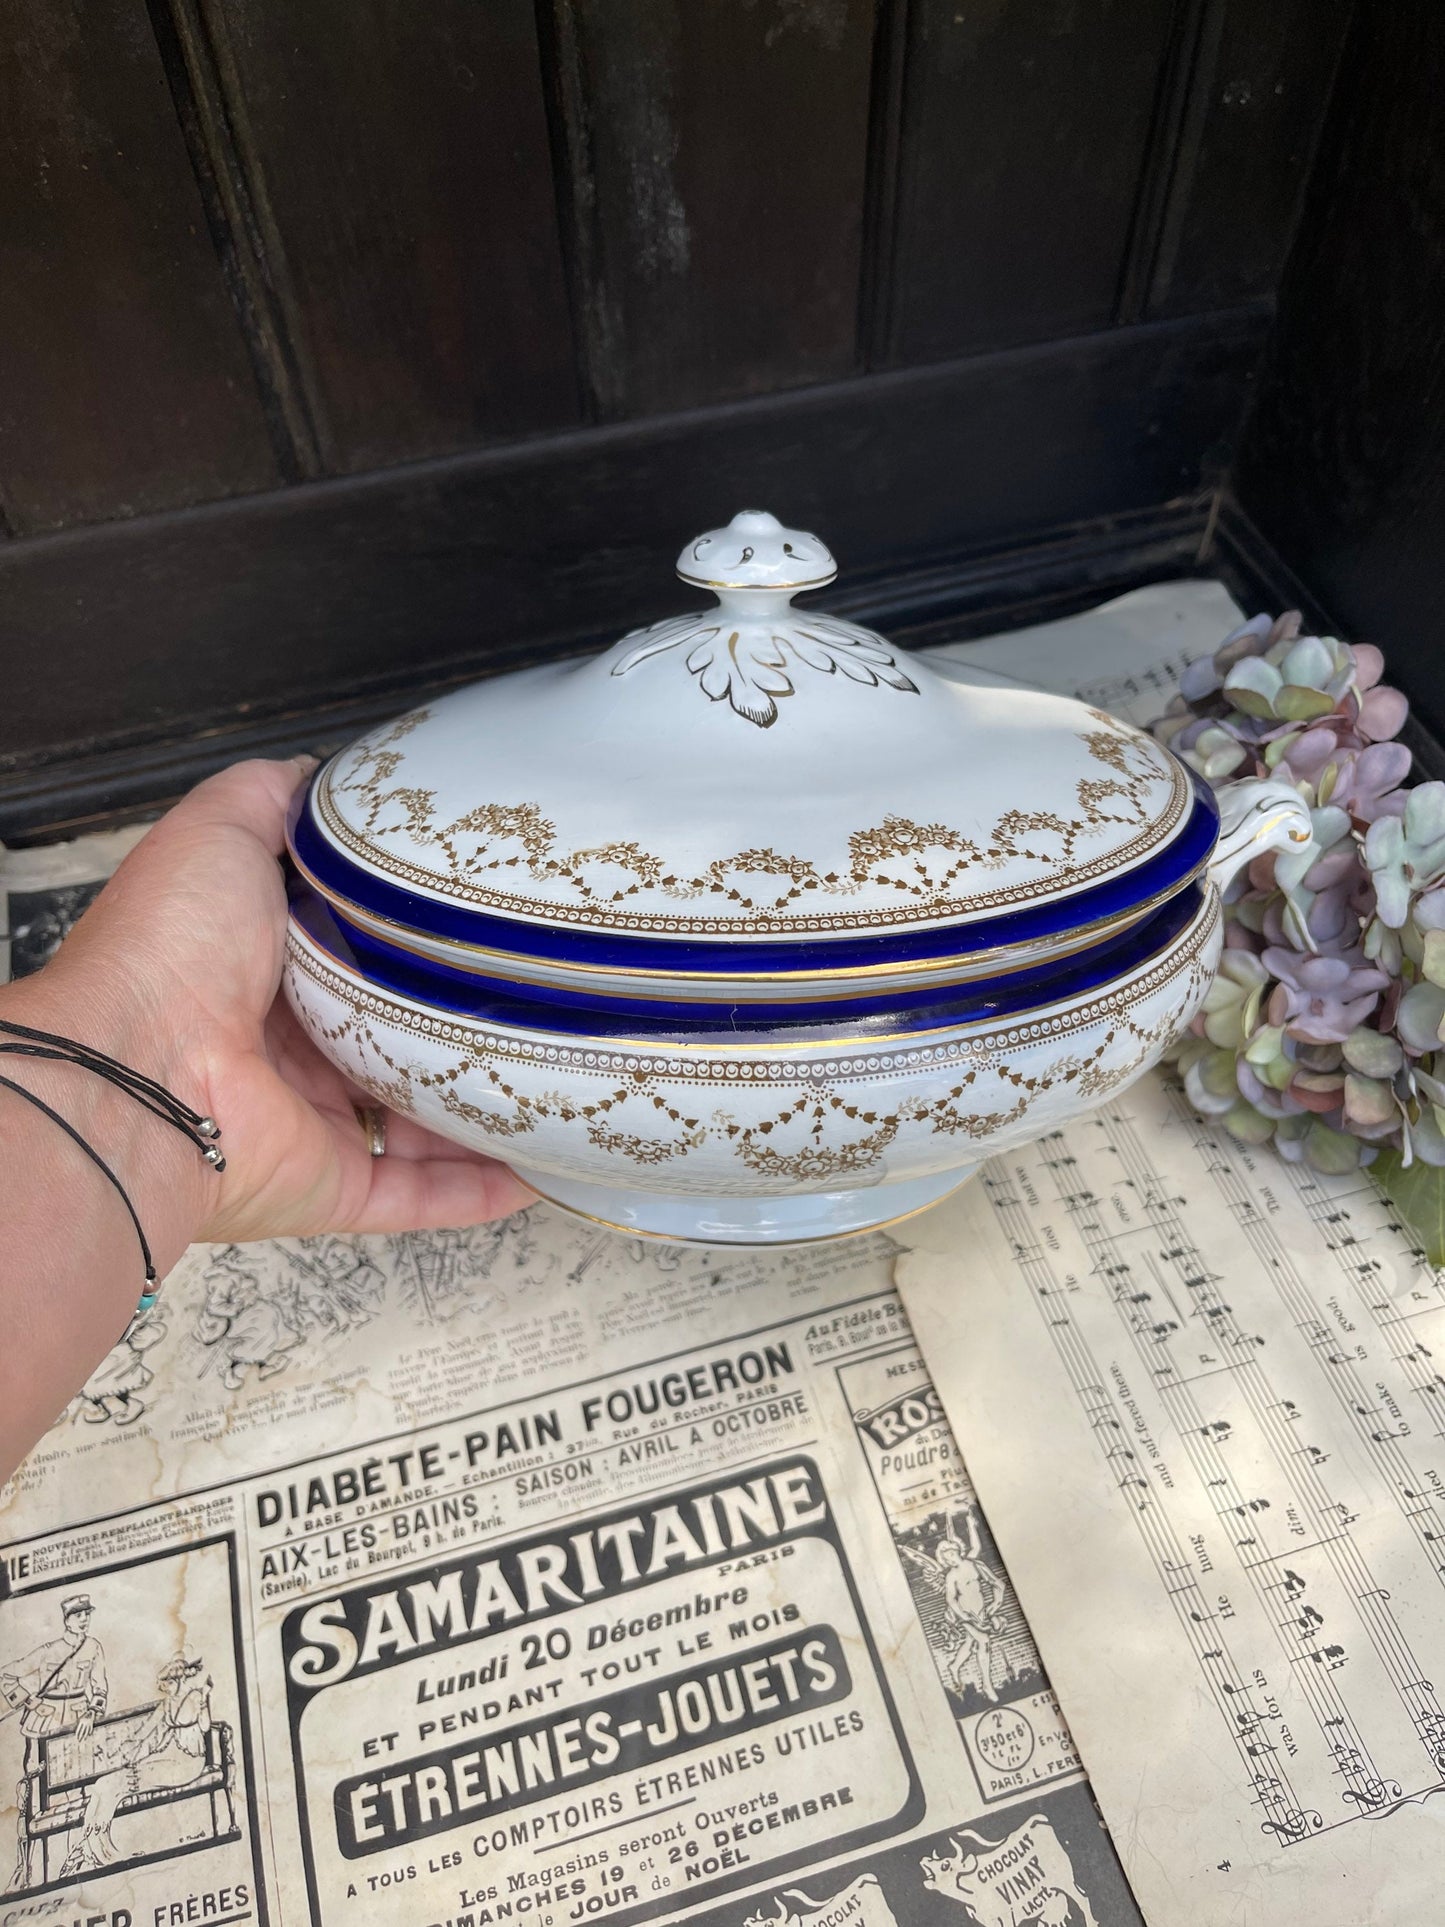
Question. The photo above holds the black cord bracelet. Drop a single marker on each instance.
(151, 1095)
(148, 1296)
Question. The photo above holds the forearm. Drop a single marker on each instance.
(72, 1270)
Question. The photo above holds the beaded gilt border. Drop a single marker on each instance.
(824, 1123)
(640, 1061)
(922, 863)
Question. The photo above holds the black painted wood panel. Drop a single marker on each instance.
(1024, 131)
(399, 162)
(1262, 77)
(125, 381)
(309, 594)
(1344, 466)
(716, 156)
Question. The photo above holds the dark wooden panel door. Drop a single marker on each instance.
(397, 156)
(1344, 464)
(1022, 138)
(1261, 77)
(717, 159)
(125, 382)
(954, 274)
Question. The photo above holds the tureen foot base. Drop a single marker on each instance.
(807, 1218)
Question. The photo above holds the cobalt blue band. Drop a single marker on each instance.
(339, 878)
(418, 980)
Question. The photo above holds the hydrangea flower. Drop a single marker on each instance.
(1324, 1031)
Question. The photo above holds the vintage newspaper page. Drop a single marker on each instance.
(525, 1574)
(1235, 1557)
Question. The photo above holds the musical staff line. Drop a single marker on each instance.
(1316, 1663)
(1272, 1482)
(1272, 1792)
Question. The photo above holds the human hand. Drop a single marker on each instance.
(181, 954)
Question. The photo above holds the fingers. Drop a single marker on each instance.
(439, 1194)
(405, 1138)
(252, 796)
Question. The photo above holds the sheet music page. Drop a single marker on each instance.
(1201, 1393)
(1125, 656)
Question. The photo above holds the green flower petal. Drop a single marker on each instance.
(1372, 1054)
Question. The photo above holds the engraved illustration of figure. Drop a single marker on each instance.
(167, 1751)
(59, 1686)
(243, 1329)
(112, 1392)
(333, 1285)
(972, 1593)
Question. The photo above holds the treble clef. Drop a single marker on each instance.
(1293, 1824)
(1373, 1793)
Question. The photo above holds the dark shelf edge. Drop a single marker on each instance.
(1010, 587)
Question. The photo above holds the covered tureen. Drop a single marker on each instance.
(755, 928)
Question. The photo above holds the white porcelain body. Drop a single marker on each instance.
(809, 1139)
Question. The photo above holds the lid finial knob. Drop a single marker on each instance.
(755, 551)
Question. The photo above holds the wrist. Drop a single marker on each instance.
(164, 1175)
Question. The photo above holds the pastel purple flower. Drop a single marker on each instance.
(1382, 714)
(1368, 783)
(1321, 999)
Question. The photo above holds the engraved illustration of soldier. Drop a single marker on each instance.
(58, 1686)
(168, 1751)
(112, 1392)
(967, 1611)
(242, 1329)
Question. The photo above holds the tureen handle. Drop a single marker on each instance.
(1256, 814)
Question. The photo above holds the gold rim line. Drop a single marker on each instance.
(353, 845)
(1186, 942)
(768, 588)
(899, 975)
(730, 1244)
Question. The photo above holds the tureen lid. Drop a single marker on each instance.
(750, 773)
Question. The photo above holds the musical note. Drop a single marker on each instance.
(1332, 1658)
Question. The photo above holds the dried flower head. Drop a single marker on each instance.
(1324, 1032)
